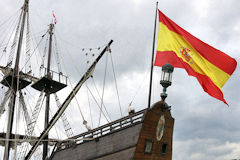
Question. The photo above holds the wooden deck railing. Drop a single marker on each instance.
(109, 128)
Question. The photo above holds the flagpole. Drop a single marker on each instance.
(153, 49)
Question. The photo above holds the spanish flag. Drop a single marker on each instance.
(210, 66)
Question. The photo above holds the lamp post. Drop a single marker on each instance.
(166, 79)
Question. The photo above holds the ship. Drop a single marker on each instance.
(145, 134)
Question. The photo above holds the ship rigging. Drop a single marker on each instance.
(18, 78)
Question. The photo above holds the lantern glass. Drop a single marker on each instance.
(170, 77)
(167, 71)
(163, 75)
(167, 77)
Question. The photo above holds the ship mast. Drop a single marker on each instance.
(49, 86)
(14, 85)
(47, 91)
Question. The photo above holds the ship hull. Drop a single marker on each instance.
(132, 137)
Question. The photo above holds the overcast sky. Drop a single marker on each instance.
(205, 128)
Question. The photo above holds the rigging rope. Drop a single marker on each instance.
(100, 98)
(16, 127)
(8, 19)
(4, 101)
(3, 39)
(24, 108)
(104, 80)
(84, 121)
(88, 90)
(89, 107)
(34, 36)
(97, 90)
(38, 151)
(31, 125)
(34, 50)
(9, 27)
(139, 88)
(97, 104)
(87, 87)
(87, 66)
(97, 93)
(43, 34)
(6, 45)
(116, 84)
(57, 55)
(13, 46)
(28, 68)
(29, 104)
(65, 121)
(44, 55)
(55, 128)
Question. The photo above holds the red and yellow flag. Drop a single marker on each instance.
(211, 67)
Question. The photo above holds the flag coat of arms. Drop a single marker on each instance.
(210, 66)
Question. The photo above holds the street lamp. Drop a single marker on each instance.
(166, 79)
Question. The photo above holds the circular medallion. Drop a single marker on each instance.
(160, 127)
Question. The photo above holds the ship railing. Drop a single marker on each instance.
(95, 134)
(57, 76)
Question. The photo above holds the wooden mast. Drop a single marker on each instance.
(47, 91)
(48, 85)
(13, 87)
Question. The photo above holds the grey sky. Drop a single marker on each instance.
(205, 128)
